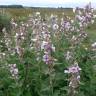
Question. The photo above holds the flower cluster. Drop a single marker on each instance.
(74, 79)
(13, 70)
(42, 34)
(48, 48)
(73, 69)
(75, 33)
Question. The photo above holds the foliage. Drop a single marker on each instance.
(24, 73)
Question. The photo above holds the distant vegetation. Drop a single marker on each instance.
(5, 22)
(11, 6)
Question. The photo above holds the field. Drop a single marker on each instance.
(47, 52)
(48, 11)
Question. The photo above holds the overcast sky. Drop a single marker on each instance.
(49, 3)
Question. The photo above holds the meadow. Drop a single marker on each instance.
(22, 13)
(48, 52)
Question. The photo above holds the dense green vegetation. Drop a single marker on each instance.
(33, 76)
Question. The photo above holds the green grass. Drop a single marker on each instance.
(92, 34)
(92, 31)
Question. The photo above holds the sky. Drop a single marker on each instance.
(49, 3)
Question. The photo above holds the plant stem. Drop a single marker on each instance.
(51, 83)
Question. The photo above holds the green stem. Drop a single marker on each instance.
(51, 83)
(39, 64)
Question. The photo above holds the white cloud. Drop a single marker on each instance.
(53, 1)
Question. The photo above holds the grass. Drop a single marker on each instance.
(92, 34)
(92, 31)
